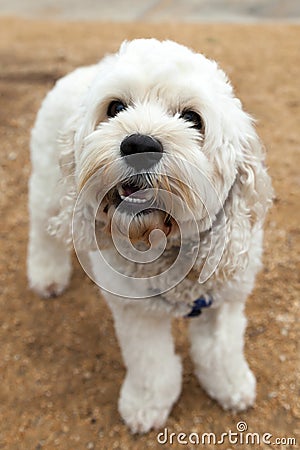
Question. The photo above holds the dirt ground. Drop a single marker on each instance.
(60, 366)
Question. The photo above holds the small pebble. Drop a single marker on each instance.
(12, 156)
(272, 394)
(87, 375)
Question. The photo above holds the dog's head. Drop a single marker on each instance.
(161, 121)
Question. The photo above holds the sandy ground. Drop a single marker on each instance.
(60, 366)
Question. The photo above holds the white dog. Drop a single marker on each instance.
(155, 138)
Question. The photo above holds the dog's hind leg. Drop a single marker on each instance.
(153, 379)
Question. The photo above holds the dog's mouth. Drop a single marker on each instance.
(132, 199)
(137, 201)
(134, 196)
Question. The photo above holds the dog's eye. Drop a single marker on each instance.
(194, 118)
(115, 107)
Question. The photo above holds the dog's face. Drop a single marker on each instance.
(160, 121)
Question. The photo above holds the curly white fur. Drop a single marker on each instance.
(73, 138)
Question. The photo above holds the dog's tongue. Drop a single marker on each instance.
(129, 190)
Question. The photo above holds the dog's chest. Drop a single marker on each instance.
(168, 282)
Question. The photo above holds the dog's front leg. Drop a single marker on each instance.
(217, 341)
(153, 379)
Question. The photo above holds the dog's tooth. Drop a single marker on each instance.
(140, 200)
(133, 199)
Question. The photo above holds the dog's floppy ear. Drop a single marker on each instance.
(253, 180)
(61, 224)
(249, 199)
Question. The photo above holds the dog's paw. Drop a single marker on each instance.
(49, 281)
(51, 290)
(242, 394)
(234, 393)
(146, 405)
(141, 417)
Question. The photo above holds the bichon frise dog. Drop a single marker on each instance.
(148, 163)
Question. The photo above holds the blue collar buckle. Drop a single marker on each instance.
(198, 305)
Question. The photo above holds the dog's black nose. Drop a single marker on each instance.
(141, 151)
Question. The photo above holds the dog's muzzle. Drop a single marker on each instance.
(141, 151)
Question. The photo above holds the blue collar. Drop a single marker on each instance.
(198, 305)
